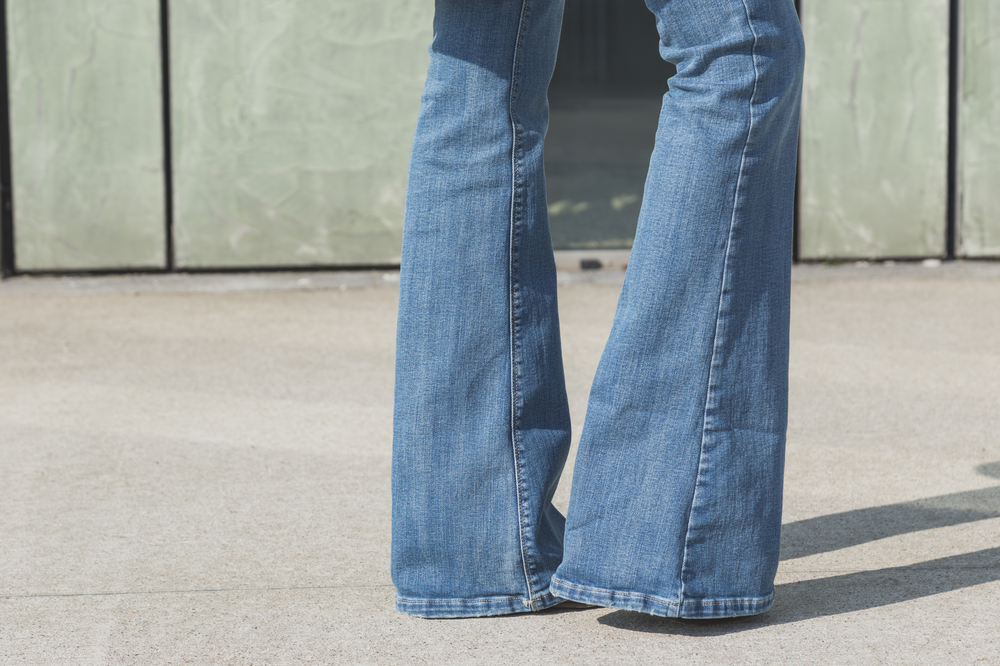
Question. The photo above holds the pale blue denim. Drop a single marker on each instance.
(675, 508)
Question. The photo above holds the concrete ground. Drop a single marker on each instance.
(195, 469)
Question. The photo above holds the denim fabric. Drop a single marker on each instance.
(676, 501)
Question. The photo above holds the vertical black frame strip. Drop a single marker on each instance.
(168, 166)
(796, 224)
(7, 260)
(954, 108)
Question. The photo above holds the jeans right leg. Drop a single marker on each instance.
(676, 498)
(481, 423)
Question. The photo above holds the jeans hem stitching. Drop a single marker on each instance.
(475, 607)
(677, 606)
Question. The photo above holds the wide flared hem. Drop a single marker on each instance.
(480, 607)
(702, 609)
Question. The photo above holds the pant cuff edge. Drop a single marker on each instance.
(477, 607)
(660, 606)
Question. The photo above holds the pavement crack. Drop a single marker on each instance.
(193, 591)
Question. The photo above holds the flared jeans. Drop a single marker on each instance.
(675, 508)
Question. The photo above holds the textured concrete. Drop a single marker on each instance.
(195, 469)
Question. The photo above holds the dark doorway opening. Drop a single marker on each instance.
(605, 101)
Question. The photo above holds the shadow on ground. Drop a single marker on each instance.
(863, 590)
(809, 599)
(851, 528)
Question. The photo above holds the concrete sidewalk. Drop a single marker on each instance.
(195, 469)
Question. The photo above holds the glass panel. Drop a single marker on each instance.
(874, 128)
(86, 134)
(980, 130)
(292, 128)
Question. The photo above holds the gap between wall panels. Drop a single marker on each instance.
(953, 205)
(796, 224)
(7, 265)
(168, 147)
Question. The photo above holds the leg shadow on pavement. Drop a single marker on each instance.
(861, 590)
(851, 528)
(809, 599)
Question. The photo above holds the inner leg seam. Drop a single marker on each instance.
(513, 303)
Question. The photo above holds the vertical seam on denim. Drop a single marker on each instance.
(512, 301)
(717, 334)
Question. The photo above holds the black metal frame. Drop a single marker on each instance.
(796, 226)
(7, 266)
(168, 145)
(954, 91)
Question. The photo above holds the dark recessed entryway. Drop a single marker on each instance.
(605, 102)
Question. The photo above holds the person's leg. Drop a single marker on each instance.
(481, 424)
(676, 501)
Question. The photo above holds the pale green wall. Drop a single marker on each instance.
(292, 127)
(292, 123)
(87, 133)
(874, 128)
(980, 130)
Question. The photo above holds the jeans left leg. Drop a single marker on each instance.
(481, 423)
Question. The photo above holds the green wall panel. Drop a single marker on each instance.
(292, 124)
(980, 129)
(874, 128)
(86, 134)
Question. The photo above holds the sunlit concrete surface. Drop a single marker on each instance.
(195, 469)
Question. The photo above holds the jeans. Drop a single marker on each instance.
(675, 507)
